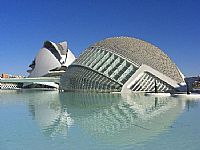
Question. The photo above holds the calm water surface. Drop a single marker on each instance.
(50, 120)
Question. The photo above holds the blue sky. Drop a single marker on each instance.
(172, 25)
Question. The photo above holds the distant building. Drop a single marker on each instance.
(193, 83)
(51, 60)
(8, 84)
(196, 83)
(16, 76)
(122, 64)
(5, 75)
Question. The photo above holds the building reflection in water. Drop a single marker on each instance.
(191, 104)
(113, 118)
(46, 109)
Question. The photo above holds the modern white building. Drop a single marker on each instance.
(51, 60)
(123, 64)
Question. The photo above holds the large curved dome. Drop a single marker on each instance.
(141, 52)
(122, 64)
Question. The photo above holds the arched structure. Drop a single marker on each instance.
(122, 64)
(51, 60)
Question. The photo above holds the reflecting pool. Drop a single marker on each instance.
(56, 121)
